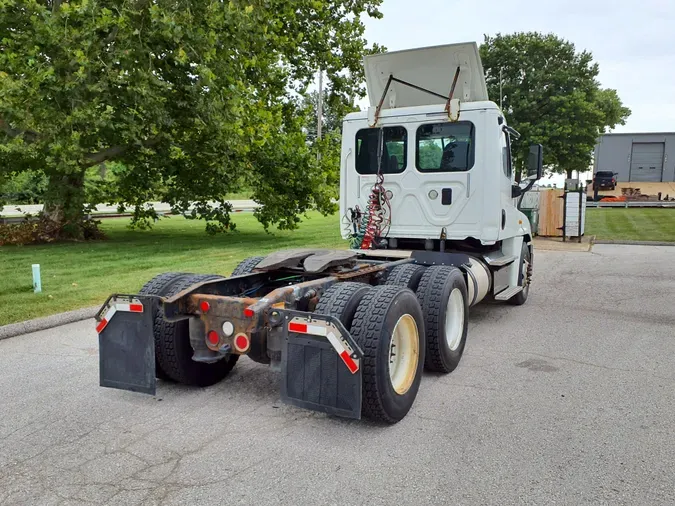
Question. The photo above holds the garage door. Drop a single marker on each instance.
(646, 163)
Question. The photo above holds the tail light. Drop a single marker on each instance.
(213, 337)
(241, 342)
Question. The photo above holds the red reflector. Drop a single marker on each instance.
(248, 312)
(101, 325)
(349, 362)
(136, 308)
(204, 306)
(213, 337)
(297, 327)
(241, 342)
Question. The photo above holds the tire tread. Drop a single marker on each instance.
(336, 301)
(407, 275)
(366, 330)
(246, 266)
(430, 295)
(168, 363)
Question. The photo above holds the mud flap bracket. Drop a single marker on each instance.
(320, 365)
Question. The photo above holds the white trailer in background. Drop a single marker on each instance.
(427, 199)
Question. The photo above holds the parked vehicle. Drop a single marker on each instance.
(604, 180)
(427, 192)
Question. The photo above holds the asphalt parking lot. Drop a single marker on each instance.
(569, 399)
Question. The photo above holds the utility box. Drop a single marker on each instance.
(575, 214)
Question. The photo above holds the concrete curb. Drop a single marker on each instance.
(634, 243)
(16, 329)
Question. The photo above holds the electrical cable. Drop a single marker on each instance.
(377, 217)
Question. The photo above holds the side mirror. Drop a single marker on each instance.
(535, 162)
(516, 191)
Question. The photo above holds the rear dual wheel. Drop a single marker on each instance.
(387, 324)
(442, 293)
(173, 351)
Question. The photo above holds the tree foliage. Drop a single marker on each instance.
(551, 95)
(194, 97)
(333, 111)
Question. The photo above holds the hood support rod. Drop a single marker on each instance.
(414, 86)
(452, 90)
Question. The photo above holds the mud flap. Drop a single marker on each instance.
(126, 343)
(320, 365)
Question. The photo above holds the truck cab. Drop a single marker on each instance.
(445, 161)
(440, 175)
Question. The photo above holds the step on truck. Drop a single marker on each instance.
(428, 202)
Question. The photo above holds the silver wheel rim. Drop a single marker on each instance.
(404, 354)
(454, 319)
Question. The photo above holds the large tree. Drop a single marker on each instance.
(551, 95)
(194, 97)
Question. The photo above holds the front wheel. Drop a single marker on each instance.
(524, 277)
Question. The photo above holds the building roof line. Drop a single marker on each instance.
(637, 133)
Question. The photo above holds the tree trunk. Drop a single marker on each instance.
(64, 206)
(570, 173)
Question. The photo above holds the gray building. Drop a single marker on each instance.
(637, 157)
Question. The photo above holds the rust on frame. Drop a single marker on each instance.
(222, 309)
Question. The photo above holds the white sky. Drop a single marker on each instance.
(633, 41)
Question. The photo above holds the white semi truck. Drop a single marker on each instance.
(427, 194)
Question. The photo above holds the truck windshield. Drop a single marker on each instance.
(394, 150)
(445, 147)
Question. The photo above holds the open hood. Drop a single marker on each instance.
(431, 68)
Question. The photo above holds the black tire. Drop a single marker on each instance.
(407, 275)
(372, 328)
(521, 297)
(246, 266)
(159, 285)
(173, 351)
(341, 301)
(436, 286)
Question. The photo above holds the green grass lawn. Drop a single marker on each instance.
(76, 275)
(635, 224)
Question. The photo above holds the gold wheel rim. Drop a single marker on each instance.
(404, 350)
